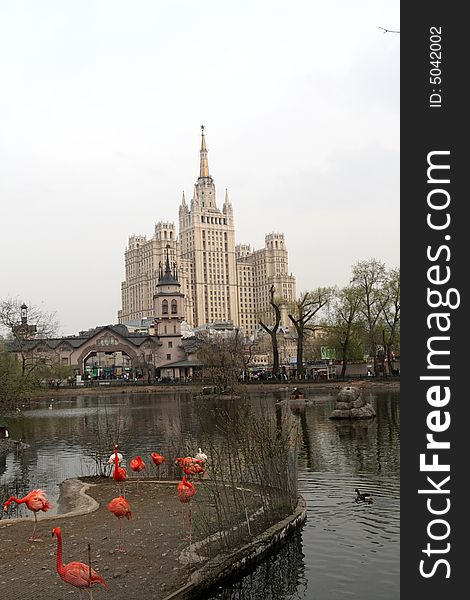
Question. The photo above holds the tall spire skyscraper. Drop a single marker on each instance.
(219, 280)
(207, 237)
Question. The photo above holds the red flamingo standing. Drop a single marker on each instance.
(76, 573)
(186, 491)
(120, 507)
(191, 466)
(36, 500)
(119, 473)
(158, 459)
(137, 465)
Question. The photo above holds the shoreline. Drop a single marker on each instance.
(196, 388)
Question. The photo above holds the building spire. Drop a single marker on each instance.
(204, 165)
(167, 262)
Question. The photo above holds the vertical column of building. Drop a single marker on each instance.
(232, 291)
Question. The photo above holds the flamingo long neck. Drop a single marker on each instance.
(60, 566)
(116, 462)
(15, 499)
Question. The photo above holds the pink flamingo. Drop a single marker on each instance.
(191, 466)
(120, 507)
(36, 500)
(119, 473)
(137, 464)
(76, 573)
(158, 459)
(186, 491)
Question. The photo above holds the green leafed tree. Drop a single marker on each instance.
(390, 324)
(369, 277)
(342, 324)
(14, 387)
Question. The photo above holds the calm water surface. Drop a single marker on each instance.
(346, 550)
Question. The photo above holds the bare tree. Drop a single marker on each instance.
(23, 324)
(223, 357)
(388, 30)
(305, 309)
(272, 331)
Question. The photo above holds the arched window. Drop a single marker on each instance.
(165, 307)
(174, 307)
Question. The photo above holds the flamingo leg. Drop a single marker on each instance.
(81, 593)
(190, 537)
(33, 535)
(120, 547)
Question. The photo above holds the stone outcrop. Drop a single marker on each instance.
(351, 405)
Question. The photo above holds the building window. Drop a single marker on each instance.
(165, 307)
(170, 344)
(168, 356)
(174, 307)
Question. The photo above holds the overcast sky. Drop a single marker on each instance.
(101, 104)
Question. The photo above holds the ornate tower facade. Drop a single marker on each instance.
(218, 280)
(168, 308)
(142, 258)
(207, 237)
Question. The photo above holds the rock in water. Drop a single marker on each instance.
(351, 405)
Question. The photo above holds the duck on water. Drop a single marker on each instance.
(365, 497)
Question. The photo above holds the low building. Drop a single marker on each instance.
(152, 350)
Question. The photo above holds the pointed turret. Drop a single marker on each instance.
(183, 200)
(227, 199)
(204, 165)
(167, 277)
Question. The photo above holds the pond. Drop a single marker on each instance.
(345, 550)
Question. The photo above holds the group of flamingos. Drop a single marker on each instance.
(79, 574)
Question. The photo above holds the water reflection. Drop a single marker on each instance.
(346, 550)
(281, 577)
